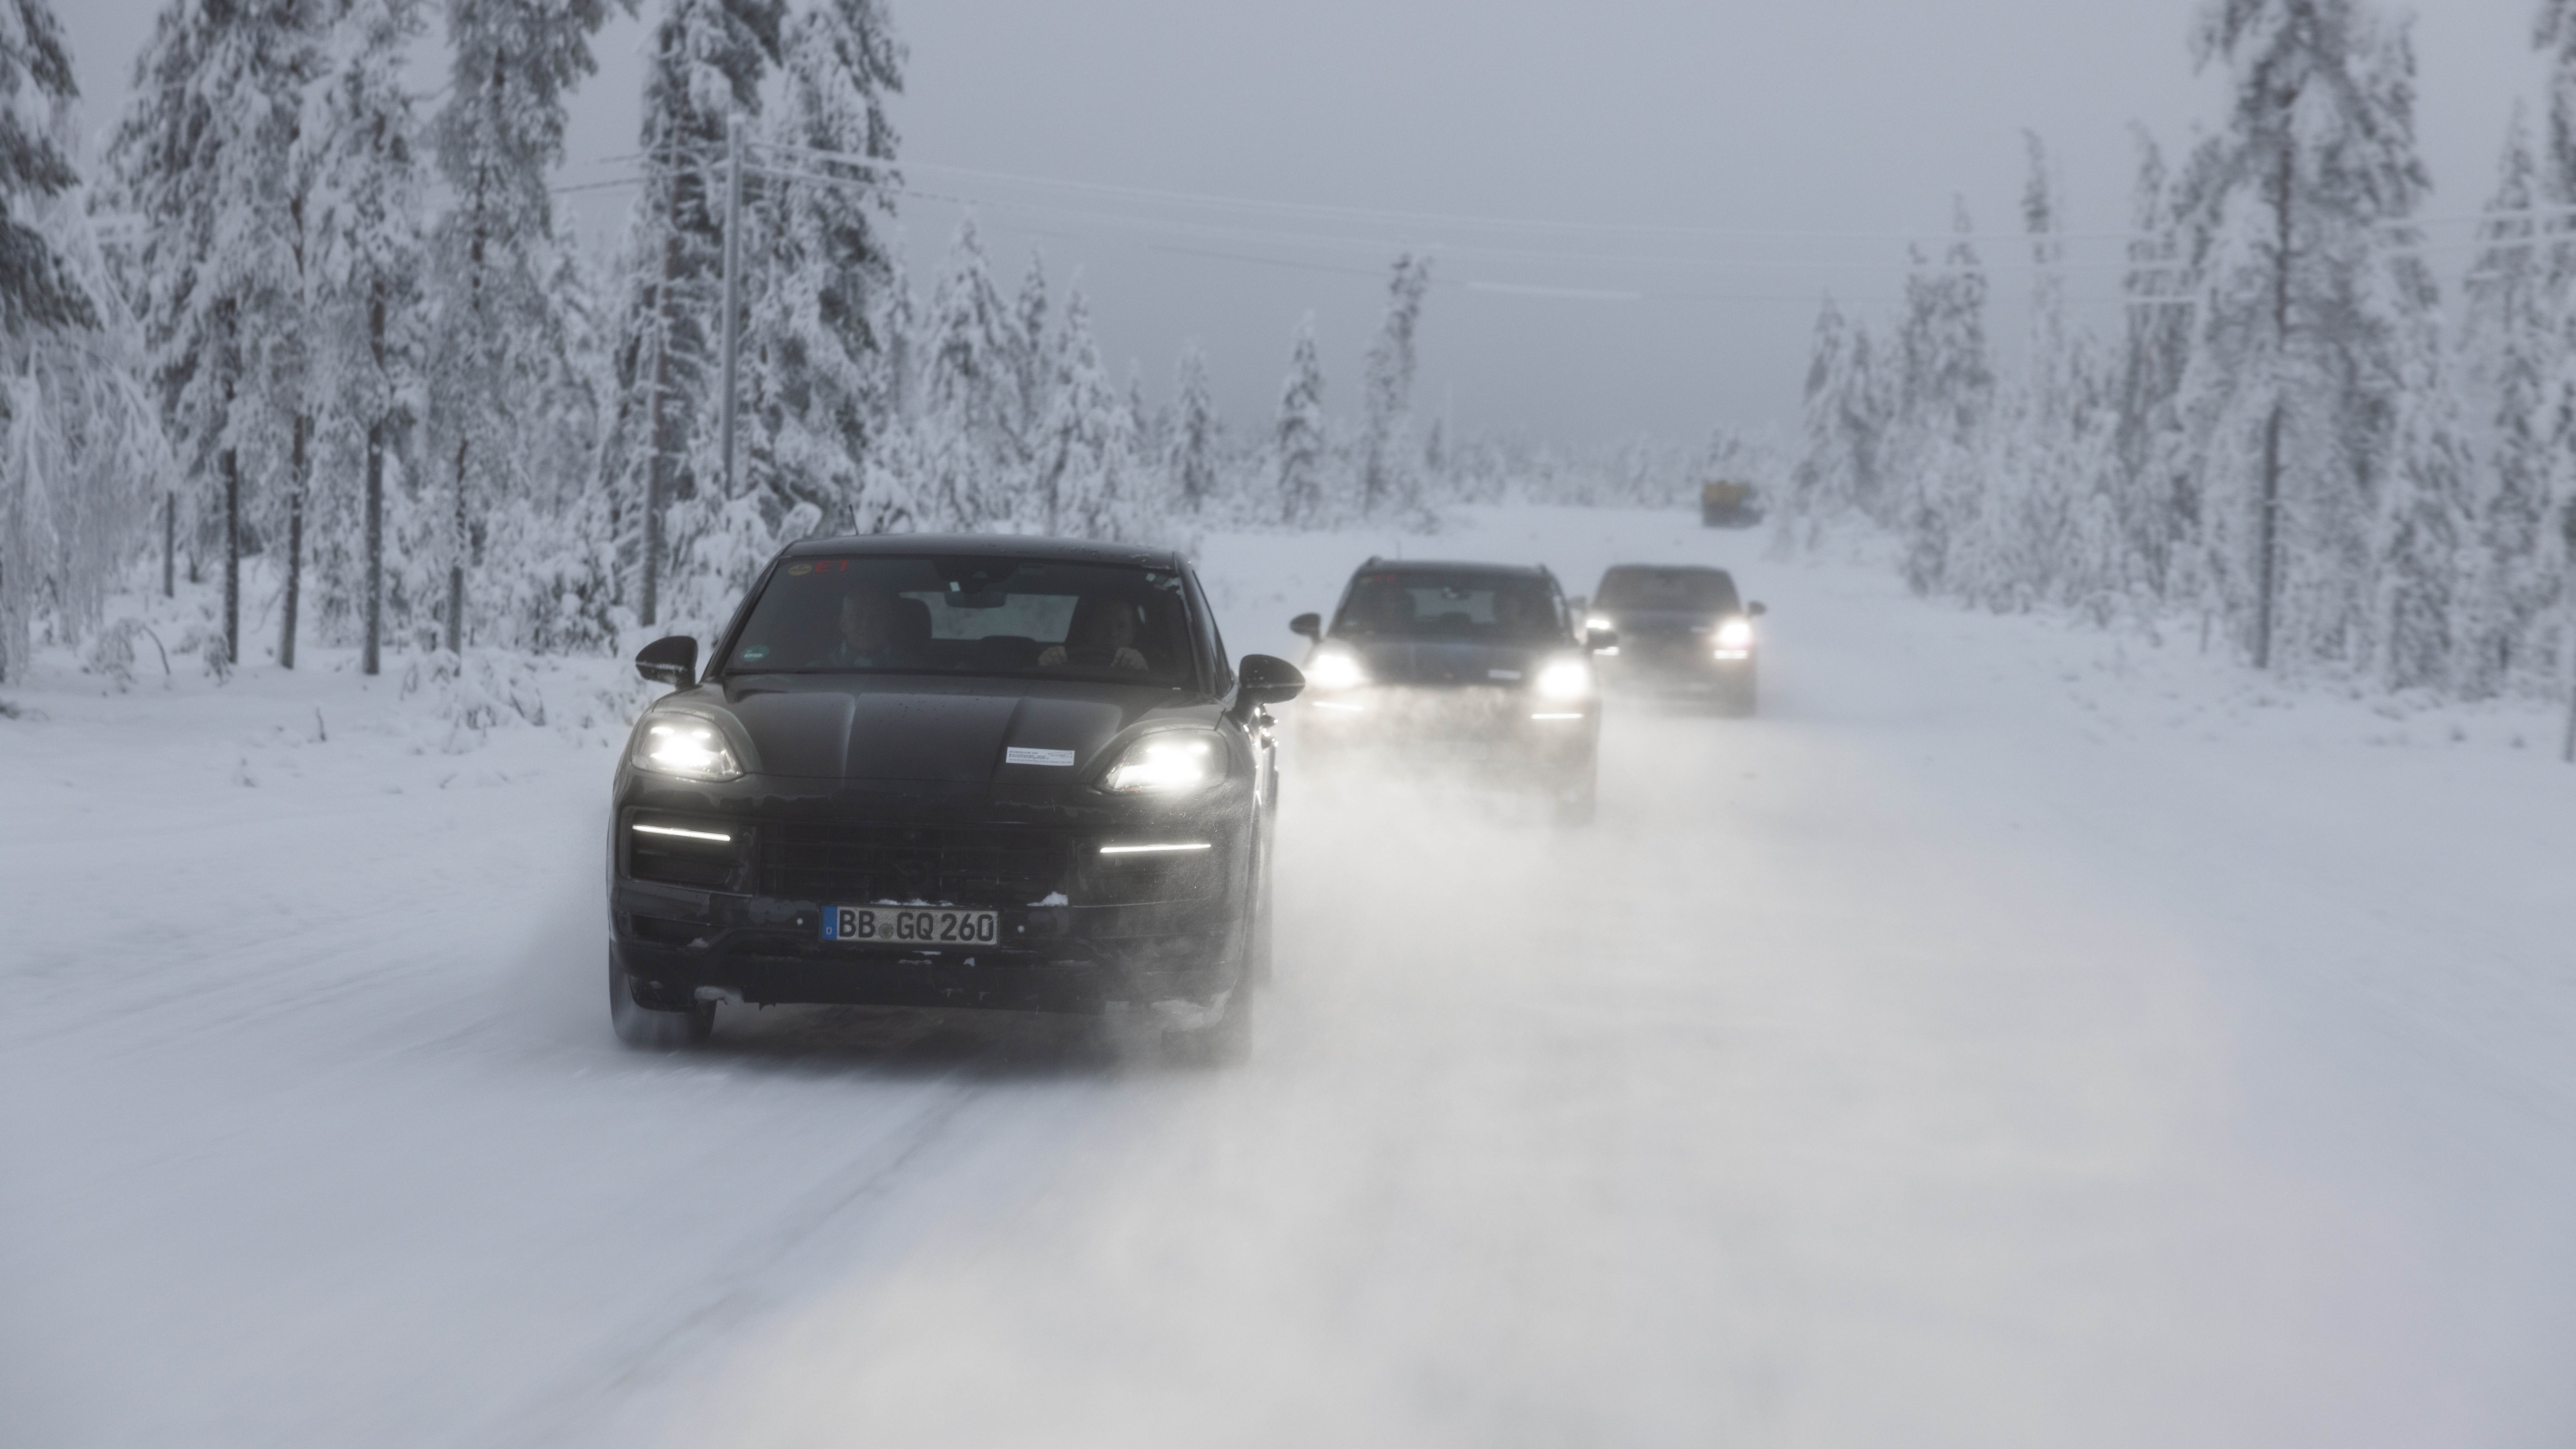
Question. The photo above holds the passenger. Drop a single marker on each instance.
(1517, 615)
(1102, 636)
(868, 630)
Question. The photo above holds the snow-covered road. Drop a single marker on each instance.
(2014, 1036)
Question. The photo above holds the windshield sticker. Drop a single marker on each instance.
(755, 653)
(1018, 756)
(800, 568)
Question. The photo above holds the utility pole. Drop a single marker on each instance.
(732, 286)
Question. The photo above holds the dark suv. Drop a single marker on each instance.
(981, 772)
(1472, 665)
(1683, 633)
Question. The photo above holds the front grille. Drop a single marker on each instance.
(942, 865)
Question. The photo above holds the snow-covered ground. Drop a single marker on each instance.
(2016, 1035)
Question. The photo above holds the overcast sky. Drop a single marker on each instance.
(1685, 177)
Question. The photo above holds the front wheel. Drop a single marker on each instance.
(654, 1028)
(1224, 1042)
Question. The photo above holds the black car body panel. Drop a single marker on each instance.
(902, 788)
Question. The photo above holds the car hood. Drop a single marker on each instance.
(1449, 662)
(910, 727)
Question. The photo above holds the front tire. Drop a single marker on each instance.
(649, 1028)
(1225, 1042)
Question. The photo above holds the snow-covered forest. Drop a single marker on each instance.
(2301, 438)
(304, 332)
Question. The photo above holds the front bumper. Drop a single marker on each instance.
(1684, 669)
(1078, 931)
(1493, 731)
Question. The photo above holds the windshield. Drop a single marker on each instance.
(1681, 591)
(1410, 605)
(1031, 618)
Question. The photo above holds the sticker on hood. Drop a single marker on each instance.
(1018, 756)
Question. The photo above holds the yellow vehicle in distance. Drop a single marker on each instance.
(1729, 505)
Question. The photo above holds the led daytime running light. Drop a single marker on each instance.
(685, 834)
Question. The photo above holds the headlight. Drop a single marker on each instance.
(693, 749)
(1599, 621)
(1171, 761)
(1336, 669)
(1565, 679)
(1735, 634)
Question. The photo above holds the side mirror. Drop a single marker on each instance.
(672, 661)
(1310, 625)
(1263, 679)
(1755, 610)
(1597, 640)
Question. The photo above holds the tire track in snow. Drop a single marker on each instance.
(758, 1278)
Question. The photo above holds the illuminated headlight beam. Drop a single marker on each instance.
(1155, 849)
(1556, 716)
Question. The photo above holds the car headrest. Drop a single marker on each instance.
(911, 622)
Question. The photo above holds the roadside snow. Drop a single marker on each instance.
(2017, 1035)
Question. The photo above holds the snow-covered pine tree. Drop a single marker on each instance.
(817, 376)
(2422, 518)
(2509, 344)
(36, 289)
(1034, 363)
(1194, 431)
(1840, 472)
(1297, 441)
(368, 247)
(2293, 391)
(970, 393)
(2156, 498)
(80, 447)
(707, 61)
(1384, 478)
(1945, 386)
(202, 155)
(1086, 458)
(2555, 35)
(2055, 535)
(513, 66)
(548, 561)
(1142, 425)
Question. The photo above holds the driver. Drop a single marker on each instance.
(1103, 636)
(867, 629)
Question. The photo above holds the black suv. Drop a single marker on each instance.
(1478, 666)
(979, 772)
(1683, 633)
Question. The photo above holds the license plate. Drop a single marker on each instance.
(911, 925)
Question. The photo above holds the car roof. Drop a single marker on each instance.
(1452, 566)
(1656, 568)
(990, 545)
